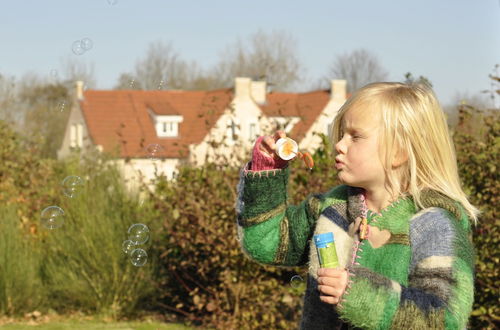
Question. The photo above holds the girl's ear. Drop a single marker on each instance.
(400, 158)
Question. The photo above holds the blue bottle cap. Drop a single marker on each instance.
(322, 239)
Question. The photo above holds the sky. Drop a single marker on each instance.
(454, 43)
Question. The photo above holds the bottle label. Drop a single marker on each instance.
(328, 256)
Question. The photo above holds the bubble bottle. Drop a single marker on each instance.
(325, 246)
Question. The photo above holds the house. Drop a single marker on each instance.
(156, 131)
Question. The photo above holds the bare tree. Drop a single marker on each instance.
(8, 95)
(265, 56)
(358, 68)
(74, 70)
(161, 68)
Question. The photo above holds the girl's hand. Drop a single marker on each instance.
(268, 144)
(331, 284)
(264, 155)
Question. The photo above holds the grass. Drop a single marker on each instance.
(94, 325)
(56, 322)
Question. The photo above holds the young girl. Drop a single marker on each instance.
(401, 221)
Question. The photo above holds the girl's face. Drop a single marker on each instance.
(358, 161)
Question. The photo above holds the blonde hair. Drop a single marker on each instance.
(414, 127)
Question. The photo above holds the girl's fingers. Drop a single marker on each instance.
(329, 300)
(329, 290)
(332, 272)
(333, 282)
(279, 134)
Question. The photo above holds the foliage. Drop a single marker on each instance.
(477, 139)
(79, 266)
(20, 285)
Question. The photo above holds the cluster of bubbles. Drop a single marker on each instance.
(132, 83)
(52, 217)
(61, 106)
(160, 86)
(81, 46)
(138, 234)
(154, 150)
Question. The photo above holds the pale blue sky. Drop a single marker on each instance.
(455, 43)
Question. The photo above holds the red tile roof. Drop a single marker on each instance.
(121, 117)
(306, 106)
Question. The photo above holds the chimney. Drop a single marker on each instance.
(242, 87)
(258, 90)
(79, 90)
(338, 89)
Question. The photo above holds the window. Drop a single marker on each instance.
(253, 131)
(76, 136)
(232, 129)
(167, 126)
(72, 136)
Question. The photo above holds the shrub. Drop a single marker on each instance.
(21, 288)
(477, 141)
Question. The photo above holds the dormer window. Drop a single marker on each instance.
(167, 126)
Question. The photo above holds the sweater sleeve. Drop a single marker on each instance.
(270, 230)
(440, 289)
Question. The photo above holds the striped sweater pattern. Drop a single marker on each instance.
(421, 277)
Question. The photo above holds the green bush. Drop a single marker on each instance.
(85, 266)
(477, 141)
(21, 288)
(79, 266)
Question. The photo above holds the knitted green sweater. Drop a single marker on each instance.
(421, 278)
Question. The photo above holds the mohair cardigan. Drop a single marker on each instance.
(422, 277)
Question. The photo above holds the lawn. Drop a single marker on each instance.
(87, 323)
(94, 325)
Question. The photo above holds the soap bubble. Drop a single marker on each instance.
(54, 74)
(86, 44)
(154, 150)
(132, 82)
(160, 86)
(72, 185)
(61, 106)
(138, 233)
(296, 281)
(128, 246)
(52, 217)
(138, 257)
(77, 48)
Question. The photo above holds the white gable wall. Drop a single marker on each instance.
(312, 141)
(247, 117)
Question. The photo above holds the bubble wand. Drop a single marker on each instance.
(287, 149)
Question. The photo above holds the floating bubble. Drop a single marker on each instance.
(72, 185)
(128, 246)
(61, 106)
(54, 74)
(138, 233)
(296, 281)
(160, 86)
(138, 257)
(52, 217)
(86, 44)
(154, 150)
(132, 82)
(77, 48)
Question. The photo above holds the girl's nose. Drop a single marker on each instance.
(340, 147)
